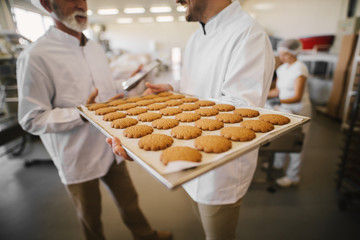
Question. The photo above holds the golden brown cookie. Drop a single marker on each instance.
(229, 118)
(149, 117)
(97, 106)
(189, 107)
(133, 99)
(187, 117)
(164, 94)
(103, 111)
(136, 111)
(207, 112)
(170, 111)
(275, 119)
(126, 106)
(245, 112)
(238, 134)
(185, 132)
(161, 99)
(224, 107)
(173, 103)
(209, 124)
(113, 116)
(176, 96)
(137, 131)
(189, 99)
(205, 103)
(145, 102)
(180, 154)
(212, 144)
(117, 102)
(152, 96)
(123, 123)
(257, 125)
(165, 123)
(156, 106)
(155, 142)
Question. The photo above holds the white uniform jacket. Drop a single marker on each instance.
(55, 75)
(232, 62)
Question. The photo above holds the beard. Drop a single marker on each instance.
(70, 20)
(196, 11)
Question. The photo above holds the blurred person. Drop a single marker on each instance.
(55, 74)
(228, 58)
(292, 91)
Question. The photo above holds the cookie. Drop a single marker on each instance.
(229, 118)
(123, 123)
(113, 116)
(238, 134)
(165, 123)
(212, 144)
(180, 154)
(207, 112)
(133, 99)
(209, 124)
(173, 103)
(161, 99)
(136, 111)
(189, 99)
(152, 96)
(137, 131)
(185, 132)
(170, 111)
(117, 102)
(149, 117)
(187, 117)
(155, 106)
(103, 111)
(257, 125)
(97, 106)
(164, 94)
(224, 107)
(275, 119)
(155, 142)
(189, 107)
(245, 112)
(126, 106)
(145, 102)
(176, 96)
(205, 103)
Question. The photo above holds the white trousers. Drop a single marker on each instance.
(293, 169)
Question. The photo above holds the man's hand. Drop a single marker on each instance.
(157, 88)
(92, 96)
(117, 149)
(140, 67)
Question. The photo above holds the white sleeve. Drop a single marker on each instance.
(250, 70)
(35, 92)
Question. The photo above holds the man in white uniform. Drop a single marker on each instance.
(230, 59)
(56, 74)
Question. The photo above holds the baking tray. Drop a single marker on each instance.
(178, 173)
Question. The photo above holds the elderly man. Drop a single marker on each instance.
(55, 74)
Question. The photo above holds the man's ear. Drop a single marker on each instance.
(46, 4)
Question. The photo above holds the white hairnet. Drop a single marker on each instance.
(292, 46)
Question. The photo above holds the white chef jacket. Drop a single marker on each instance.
(55, 75)
(232, 62)
(286, 79)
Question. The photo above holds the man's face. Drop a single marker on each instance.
(72, 13)
(195, 9)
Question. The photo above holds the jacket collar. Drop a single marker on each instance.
(64, 37)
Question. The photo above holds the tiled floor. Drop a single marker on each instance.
(35, 206)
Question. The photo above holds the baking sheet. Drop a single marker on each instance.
(177, 173)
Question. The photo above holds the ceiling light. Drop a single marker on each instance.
(264, 6)
(146, 20)
(181, 9)
(165, 19)
(182, 19)
(164, 9)
(124, 20)
(89, 12)
(108, 11)
(134, 10)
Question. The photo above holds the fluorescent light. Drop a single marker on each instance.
(134, 10)
(108, 11)
(124, 20)
(165, 19)
(89, 12)
(163, 9)
(146, 20)
(264, 6)
(181, 9)
(182, 19)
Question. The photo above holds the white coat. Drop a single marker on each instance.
(232, 62)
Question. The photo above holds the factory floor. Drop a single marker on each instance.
(34, 204)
